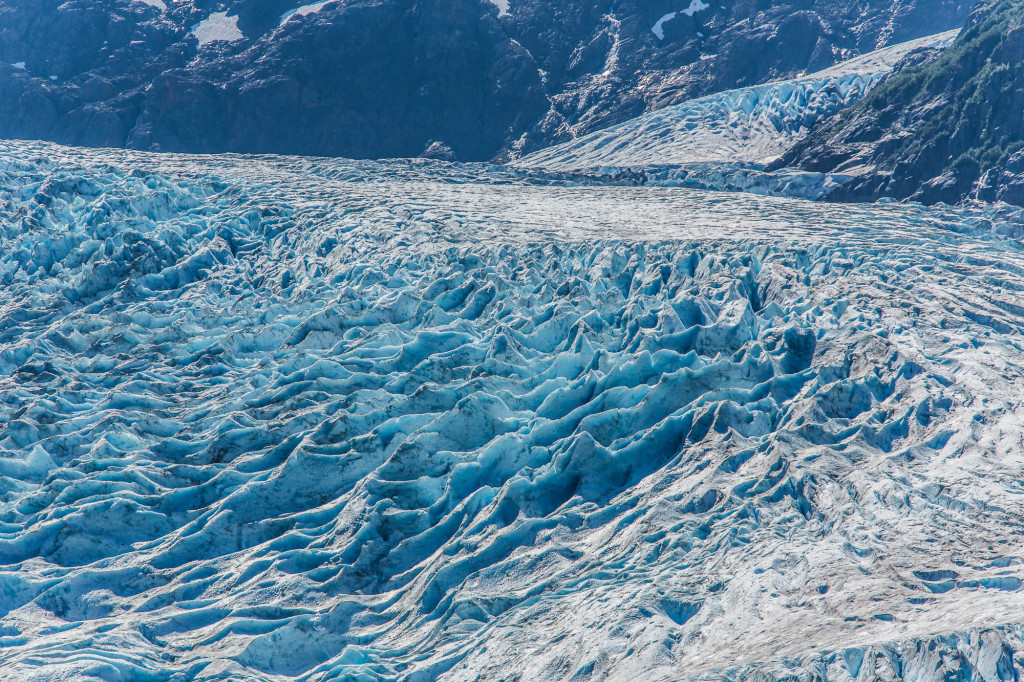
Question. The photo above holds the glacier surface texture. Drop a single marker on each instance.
(270, 419)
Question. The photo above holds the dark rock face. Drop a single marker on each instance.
(379, 78)
(362, 79)
(944, 127)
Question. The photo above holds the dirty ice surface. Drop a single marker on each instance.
(269, 419)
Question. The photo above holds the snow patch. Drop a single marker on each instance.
(502, 6)
(695, 6)
(659, 26)
(20, 66)
(217, 26)
(304, 10)
(159, 4)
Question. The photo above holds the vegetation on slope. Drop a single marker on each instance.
(942, 128)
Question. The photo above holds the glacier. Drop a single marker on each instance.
(270, 418)
(753, 125)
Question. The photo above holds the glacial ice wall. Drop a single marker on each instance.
(266, 418)
(748, 125)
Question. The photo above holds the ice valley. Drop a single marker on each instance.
(270, 418)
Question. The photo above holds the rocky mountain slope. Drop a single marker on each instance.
(637, 56)
(948, 129)
(378, 78)
(752, 125)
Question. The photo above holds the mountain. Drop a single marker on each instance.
(379, 78)
(752, 125)
(631, 57)
(948, 129)
(364, 78)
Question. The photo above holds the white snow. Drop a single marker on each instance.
(159, 4)
(695, 6)
(217, 26)
(502, 6)
(754, 124)
(19, 65)
(658, 28)
(304, 10)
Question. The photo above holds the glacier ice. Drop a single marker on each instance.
(753, 124)
(266, 418)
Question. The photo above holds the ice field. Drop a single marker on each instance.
(265, 418)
